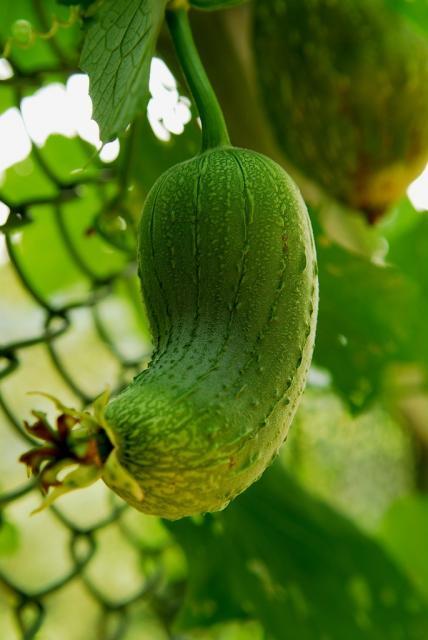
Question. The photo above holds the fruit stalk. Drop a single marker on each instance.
(214, 129)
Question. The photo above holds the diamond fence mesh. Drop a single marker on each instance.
(72, 322)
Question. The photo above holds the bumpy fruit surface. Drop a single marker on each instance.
(345, 84)
(228, 271)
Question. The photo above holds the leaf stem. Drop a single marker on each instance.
(214, 129)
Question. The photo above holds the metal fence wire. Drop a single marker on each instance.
(29, 610)
(72, 322)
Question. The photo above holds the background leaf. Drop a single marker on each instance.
(153, 156)
(277, 563)
(37, 18)
(368, 318)
(83, 3)
(9, 537)
(212, 5)
(415, 10)
(404, 532)
(116, 55)
(280, 556)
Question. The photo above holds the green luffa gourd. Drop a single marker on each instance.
(228, 272)
(344, 84)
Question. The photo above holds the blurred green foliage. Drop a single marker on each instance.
(283, 556)
(348, 563)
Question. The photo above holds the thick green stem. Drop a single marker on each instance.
(214, 130)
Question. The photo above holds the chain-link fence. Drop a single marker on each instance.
(72, 323)
(72, 332)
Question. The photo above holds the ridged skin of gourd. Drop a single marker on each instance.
(345, 85)
(228, 271)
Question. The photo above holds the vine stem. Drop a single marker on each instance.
(214, 129)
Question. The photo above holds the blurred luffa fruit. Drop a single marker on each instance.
(345, 85)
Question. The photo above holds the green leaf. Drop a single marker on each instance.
(368, 317)
(22, 22)
(9, 538)
(279, 556)
(372, 316)
(91, 252)
(357, 464)
(7, 98)
(408, 251)
(70, 160)
(26, 181)
(83, 3)
(238, 630)
(116, 55)
(212, 5)
(154, 156)
(404, 532)
(414, 10)
(44, 259)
